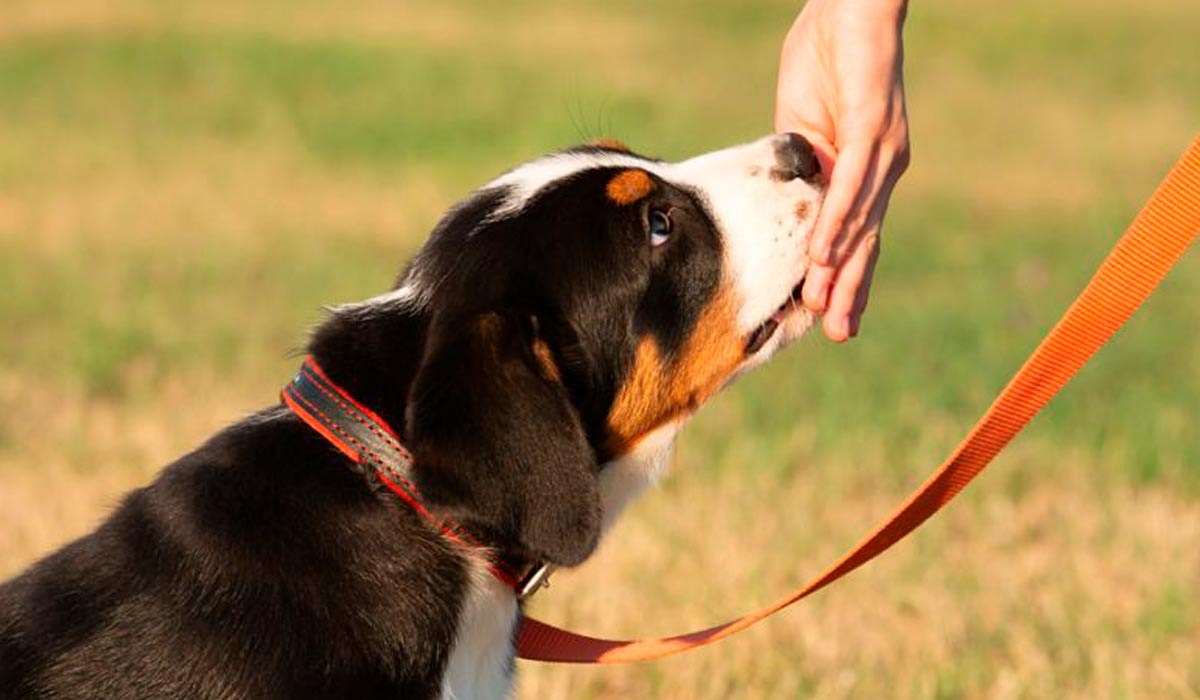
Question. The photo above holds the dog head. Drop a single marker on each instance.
(582, 302)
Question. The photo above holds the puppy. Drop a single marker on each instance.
(536, 360)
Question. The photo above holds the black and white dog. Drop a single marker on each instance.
(537, 357)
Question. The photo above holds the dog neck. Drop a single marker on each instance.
(373, 350)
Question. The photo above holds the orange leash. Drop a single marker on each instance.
(1157, 238)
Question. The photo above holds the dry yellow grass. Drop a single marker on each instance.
(997, 573)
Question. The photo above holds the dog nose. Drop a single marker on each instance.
(795, 158)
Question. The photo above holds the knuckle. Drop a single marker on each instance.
(865, 122)
(901, 148)
(903, 159)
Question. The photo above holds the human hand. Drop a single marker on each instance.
(841, 87)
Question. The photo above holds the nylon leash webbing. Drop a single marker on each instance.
(1151, 245)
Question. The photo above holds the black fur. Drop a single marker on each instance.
(261, 566)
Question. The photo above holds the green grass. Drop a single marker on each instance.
(184, 185)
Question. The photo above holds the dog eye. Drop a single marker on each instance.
(660, 227)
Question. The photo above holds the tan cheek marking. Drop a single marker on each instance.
(802, 210)
(612, 145)
(545, 359)
(656, 392)
(638, 401)
(629, 186)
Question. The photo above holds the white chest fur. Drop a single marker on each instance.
(624, 479)
(480, 666)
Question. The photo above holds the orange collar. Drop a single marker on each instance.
(375, 450)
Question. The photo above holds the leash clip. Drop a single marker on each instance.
(535, 579)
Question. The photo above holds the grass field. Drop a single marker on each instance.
(184, 184)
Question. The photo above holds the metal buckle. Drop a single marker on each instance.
(536, 578)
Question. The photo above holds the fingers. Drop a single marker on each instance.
(864, 291)
(851, 285)
(850, 188)
(848, 297)
(846, 186)
(815, 293)
(845, 250)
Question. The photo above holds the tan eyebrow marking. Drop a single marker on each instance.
(629, 187)
(611, 144)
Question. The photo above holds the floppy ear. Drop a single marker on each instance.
(497, 441)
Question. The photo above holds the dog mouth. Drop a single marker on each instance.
(766, 330)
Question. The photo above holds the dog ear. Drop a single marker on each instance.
(497, 441)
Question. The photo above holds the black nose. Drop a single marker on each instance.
(794, 158)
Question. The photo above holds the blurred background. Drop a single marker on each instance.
(184, 184)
